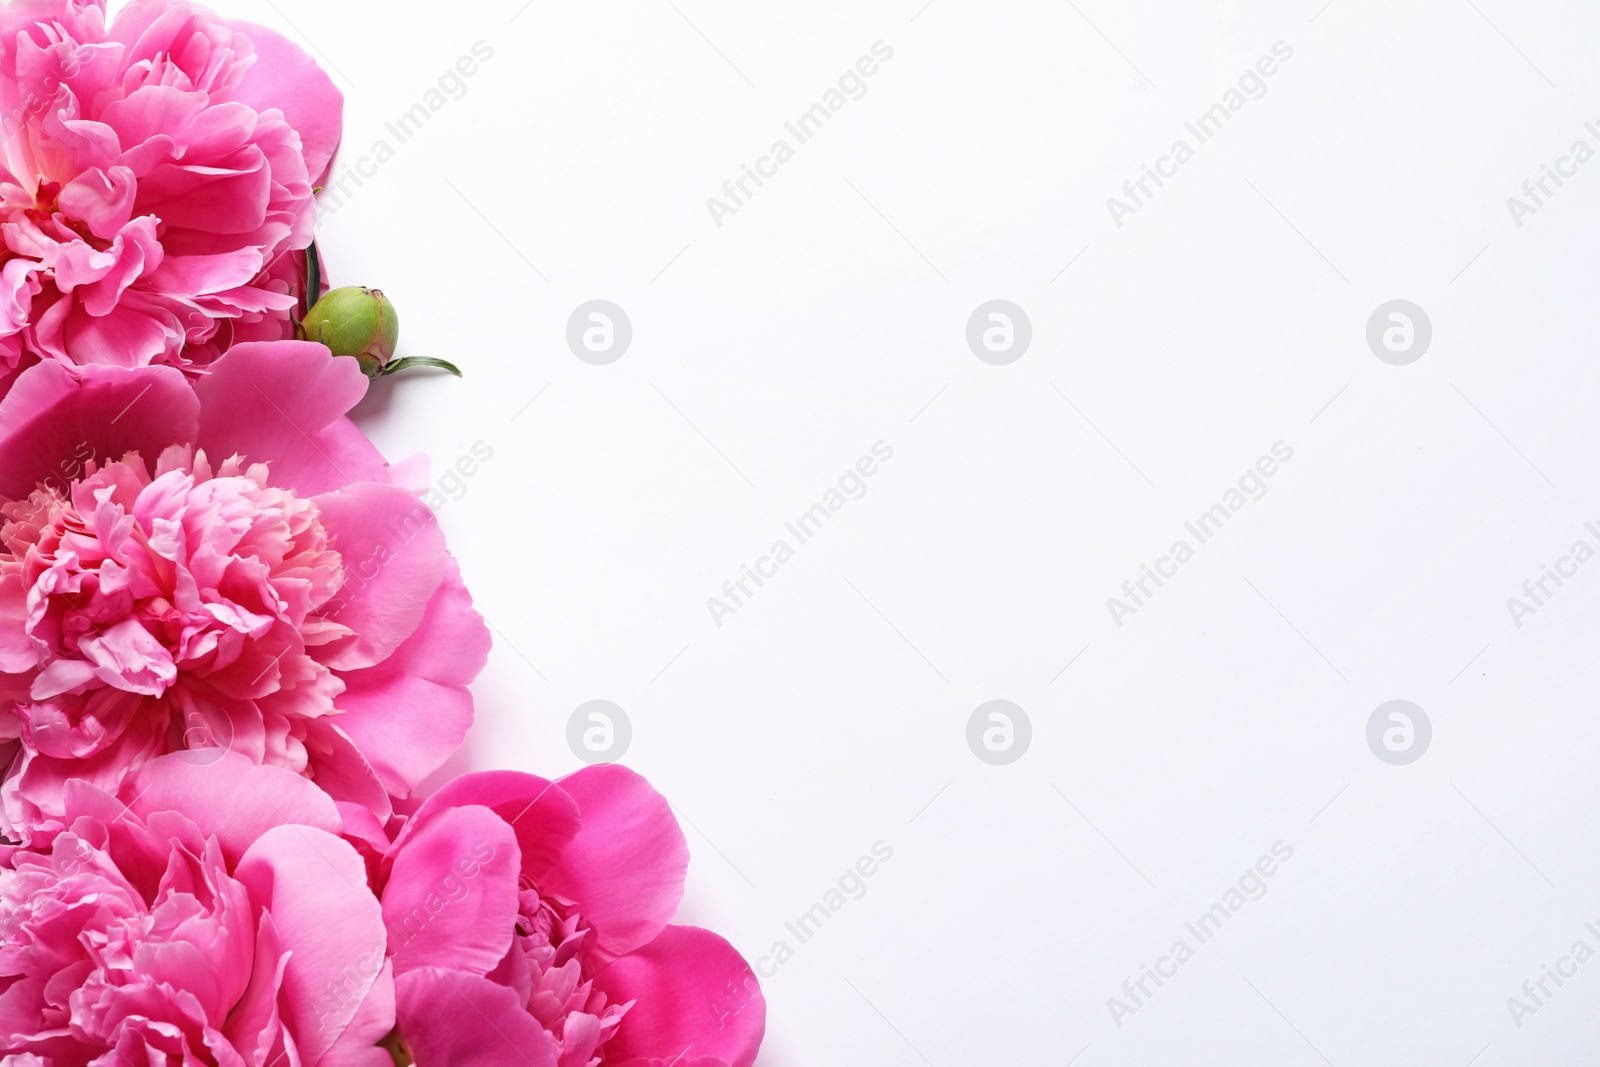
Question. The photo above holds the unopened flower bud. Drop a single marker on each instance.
(356, 321)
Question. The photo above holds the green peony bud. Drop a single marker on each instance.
(356, 321)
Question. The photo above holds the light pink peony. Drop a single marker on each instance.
(215, 918)
(156, 173)
(544, 908)
(223, 566)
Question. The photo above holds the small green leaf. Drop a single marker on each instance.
(419, 361)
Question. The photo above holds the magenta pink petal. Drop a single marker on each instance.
(53, 421)
(544, 817)
(229, 796)
(103, 200)
(204, 275)
(129, 336)
(696, 998)
(628, 861)
(334, 936)
(410, 712)
(394, 560)
(358, 1045)
(284, 402)
(286, 78)
(363, 829)
(220, 201)
(341, 769)
(451, 898)
(147, 28)
(252, 1025)
(18, 654)
(451, 1019)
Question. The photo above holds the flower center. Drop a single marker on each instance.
(209, 579)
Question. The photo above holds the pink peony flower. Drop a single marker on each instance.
(223, 566)
(545, 908)
(156, 173)
(216, 918)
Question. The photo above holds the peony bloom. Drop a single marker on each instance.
(224, 566)
(156, 173)
(216, 918)
(545, 907)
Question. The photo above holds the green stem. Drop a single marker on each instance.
(313, 278)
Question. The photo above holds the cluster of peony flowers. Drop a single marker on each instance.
(234, 646)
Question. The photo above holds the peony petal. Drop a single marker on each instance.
(340, 768)
(286, 78)
(127, 336)
(696, 997)
(627, 864)
(18, 654)
(252, 1025)
(394, 561)
(451, 898)
(363, 829)
(204, 275)
(544, 817)
(61, 676)
(450, 1019)
(53, 421)
(230, 797)
(315, 887)
(103, 200)
(408, 714)
(358, 1045)
(282, 403)
(129, 657)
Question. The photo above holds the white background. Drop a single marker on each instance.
(1228, 314)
